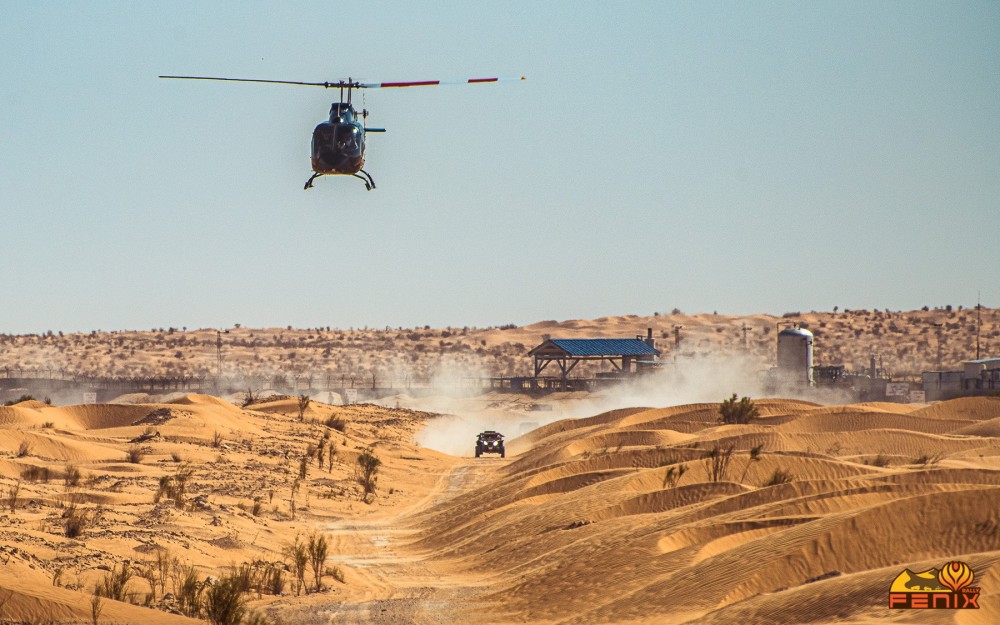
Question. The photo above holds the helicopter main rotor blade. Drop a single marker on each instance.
(327, 85)
(432, 83)
(354, 84)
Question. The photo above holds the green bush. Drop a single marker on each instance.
(735, 412)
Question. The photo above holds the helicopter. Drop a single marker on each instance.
(338, 145)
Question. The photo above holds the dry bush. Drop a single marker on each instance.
(135, 454)
(298, 553)
(303, 405)
(732, 411)
(12, 492)
(23, 449)
(187, 588)
(717, 462)
(336, 423)
(217, 439)
(367, 473)
(881, 460)
(673, 475)
(274, 580)
(74, 521)
(224, 603)
(35, 474)
(780, 476)
(73, 475)
(928, 459)
(318, 548)
(115, 583)
(336, 573)
(96, 606)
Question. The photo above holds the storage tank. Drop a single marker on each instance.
(795, 354)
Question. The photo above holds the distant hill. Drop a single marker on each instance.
(907, 342)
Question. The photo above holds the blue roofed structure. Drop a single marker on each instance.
(605, 347)
(621, 353)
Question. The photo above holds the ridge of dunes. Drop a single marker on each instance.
(593, 524)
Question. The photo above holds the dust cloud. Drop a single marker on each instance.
(681, 380)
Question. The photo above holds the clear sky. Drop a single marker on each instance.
(738, 156)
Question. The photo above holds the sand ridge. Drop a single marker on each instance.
(614, 518)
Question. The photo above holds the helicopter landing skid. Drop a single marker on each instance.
(369, 183)
(367, 179)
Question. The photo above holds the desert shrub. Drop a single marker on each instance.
(174, 487)
(135, 454)
(673, 475)
(115, 583)
(176, 456)
(217, 439)
(318, 548)
(303, 405)
(780, 476)
(12, 494)
(73, 475)
(925, 459)
(74, 521)
(367, 476)
(753, 456)
(48, 425)
(303, 467)
(732, 411)
(257, 505)
(250, 397)
(35, 474)
(23, 449)
(298, 553)
(336, 423)
(187, 588)
(275, 579)
(224, 602)
(717, 462)
(96, 606)
(880, 460)
(336, 573)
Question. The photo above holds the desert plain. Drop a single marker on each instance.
(624, 506)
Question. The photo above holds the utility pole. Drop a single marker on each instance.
(218, 357)
(746, 342)
(979, 319)
(939, 327)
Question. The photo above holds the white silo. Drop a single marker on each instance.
(795, 355)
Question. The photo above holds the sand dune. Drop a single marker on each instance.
(581, 530)
(620, 517)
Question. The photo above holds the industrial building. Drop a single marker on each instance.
(977, 377)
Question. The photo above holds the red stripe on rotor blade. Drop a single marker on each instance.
(483, 80)
(421, 83)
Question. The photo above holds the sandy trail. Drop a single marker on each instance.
(401, 586)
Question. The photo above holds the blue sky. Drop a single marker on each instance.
(734, 156)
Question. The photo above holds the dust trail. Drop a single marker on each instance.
(684, 380)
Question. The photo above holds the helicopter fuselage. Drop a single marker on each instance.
(338, 145)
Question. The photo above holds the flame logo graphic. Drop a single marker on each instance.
(955, 575)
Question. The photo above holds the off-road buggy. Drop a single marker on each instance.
(490, 442)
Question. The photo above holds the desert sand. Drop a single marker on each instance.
(587, 520)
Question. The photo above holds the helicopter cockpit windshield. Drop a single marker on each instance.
(347, 138)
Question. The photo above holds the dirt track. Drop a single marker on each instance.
(402, 586)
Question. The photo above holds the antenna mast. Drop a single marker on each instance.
(979, 319)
